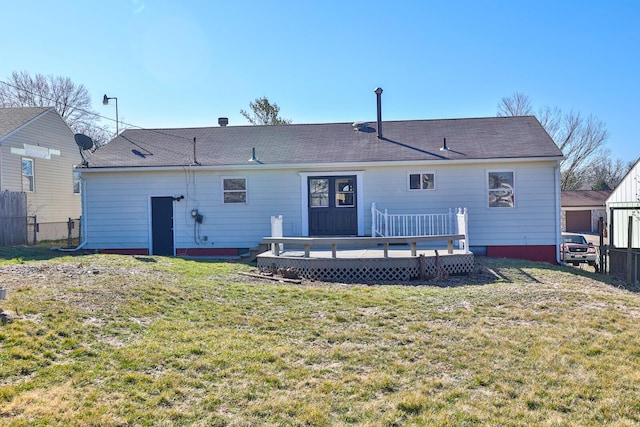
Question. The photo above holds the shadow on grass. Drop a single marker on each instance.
(488, 270)
(41, 252)
(517, 275)
(144, 259)
(514, 270)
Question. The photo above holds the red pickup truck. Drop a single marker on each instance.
(575, 250)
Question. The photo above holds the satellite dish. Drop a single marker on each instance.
(84, 142)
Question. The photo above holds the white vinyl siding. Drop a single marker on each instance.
(118, 217)
(533, 221)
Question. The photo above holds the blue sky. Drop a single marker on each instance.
(185, 63)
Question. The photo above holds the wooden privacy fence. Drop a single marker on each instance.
(624, 263)
(13, 218)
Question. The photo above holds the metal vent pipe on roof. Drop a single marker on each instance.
(378, 92)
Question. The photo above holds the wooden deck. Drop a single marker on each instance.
(308, 242)
(366, 259)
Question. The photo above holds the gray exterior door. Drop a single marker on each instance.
(162, 226)
(332, 206)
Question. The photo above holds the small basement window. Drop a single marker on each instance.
(234, 190)
(422, 181)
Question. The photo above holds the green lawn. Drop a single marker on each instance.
(151, 341)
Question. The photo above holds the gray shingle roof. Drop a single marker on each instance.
(584, 198)
(12, 118)
(411, 140)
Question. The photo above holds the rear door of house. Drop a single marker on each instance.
(162, 226)
(332, 206)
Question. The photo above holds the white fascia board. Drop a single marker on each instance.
(316, 166)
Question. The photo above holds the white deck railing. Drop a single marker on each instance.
(385, 224)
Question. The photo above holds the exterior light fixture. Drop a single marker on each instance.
(105, 101)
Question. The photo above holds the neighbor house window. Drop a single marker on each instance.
(234, 190)
(27, 175)
(501, 191)
(422, 181)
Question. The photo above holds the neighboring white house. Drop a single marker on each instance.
(37, 156)
(622, 204)
(212, 191)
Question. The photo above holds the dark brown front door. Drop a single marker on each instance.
(332, 206)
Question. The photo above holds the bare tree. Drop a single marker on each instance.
(517, 104)
(580, 139)
(71, 101)
(264, 113)
(607, 174)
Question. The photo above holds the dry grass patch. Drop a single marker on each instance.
(118, 340)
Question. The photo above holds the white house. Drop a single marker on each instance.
(622, 204)
(212, 191)
(37, 156)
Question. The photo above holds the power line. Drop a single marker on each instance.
(93, 113)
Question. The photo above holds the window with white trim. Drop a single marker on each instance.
(28, 180)
(501, 189)
(421, 181)
(234, 190)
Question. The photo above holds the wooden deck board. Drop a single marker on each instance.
(363, 242)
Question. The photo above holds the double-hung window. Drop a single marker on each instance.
(234, 190)
(28, 180)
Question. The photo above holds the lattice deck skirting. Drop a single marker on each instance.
(367, 270)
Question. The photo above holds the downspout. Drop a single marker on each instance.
(558, 204)
(83, 221)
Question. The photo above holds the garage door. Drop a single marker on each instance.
(579, 221)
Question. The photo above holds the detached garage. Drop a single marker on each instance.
(578, 221)
(581, 210)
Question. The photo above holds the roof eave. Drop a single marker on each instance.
(314, 165)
